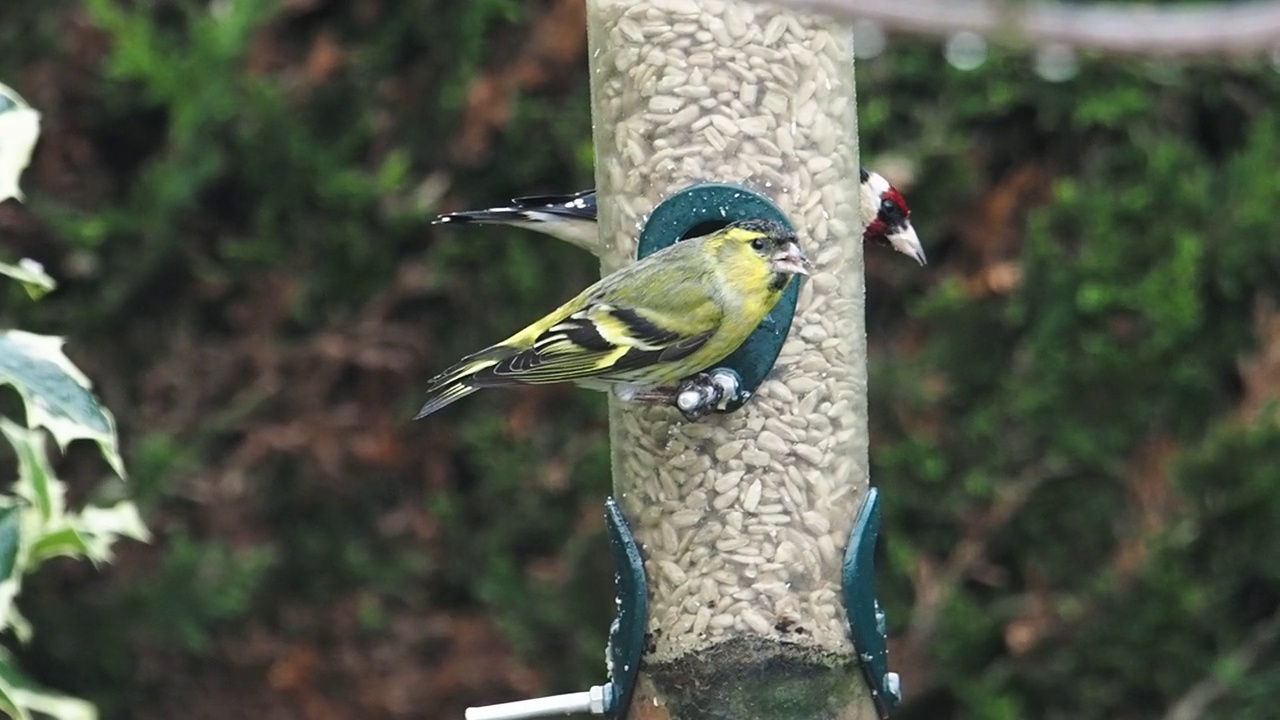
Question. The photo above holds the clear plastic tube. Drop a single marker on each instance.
(743, 518)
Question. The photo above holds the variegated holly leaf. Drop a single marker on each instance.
(20, 697)
(90, 533)
(38, 498)
(44, 527)
(10, 538)
(19, 130)
(57, 395)
(31, 274)
(36, 484)
(9, 705)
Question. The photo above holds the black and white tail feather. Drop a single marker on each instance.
(571, 218)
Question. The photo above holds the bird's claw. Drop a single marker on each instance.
(700, 394)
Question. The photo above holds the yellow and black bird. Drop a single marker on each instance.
(641, 330)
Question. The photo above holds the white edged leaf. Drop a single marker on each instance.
(37, 499)
(10, 539)
(8, 611)
(9, 704)
(104, 525)
(19, 130)
(55, 705)
(11, 567)
(36, 483)
(18, 624)
(35, 524)
(63, 541)
(90, 533)
(31, 274)
(57, 395)
(20, 696)
(9, 678)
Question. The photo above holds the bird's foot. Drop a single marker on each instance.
(700, 394)
(695, 396)
(654, 396)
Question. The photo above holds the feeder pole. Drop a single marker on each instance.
(742, 518)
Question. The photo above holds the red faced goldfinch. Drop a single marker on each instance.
(886, 219)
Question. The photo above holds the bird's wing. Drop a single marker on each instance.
(646, 315)
(578, 205)
(601, 339)
(530, 207)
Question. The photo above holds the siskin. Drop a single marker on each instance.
(646, 327)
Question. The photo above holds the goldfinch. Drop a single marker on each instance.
(641, 330)
(886, 219)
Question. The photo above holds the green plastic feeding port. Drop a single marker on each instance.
(626, 642)
(866, 618)
(626, 635)
(707, 207)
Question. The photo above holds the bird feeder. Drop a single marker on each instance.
(744, 542)
(704, 112)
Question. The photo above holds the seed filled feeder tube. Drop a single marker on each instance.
(743, 518)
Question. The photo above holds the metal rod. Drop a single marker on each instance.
(1122, 28)
(579, 702)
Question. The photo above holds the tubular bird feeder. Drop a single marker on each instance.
(744, 518)
(743, 542)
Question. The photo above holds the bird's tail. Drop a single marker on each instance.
(456, 382)
(445, 396)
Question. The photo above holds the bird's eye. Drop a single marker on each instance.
(888, 205)
(757, 244)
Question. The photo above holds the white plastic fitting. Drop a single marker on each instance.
(595, 701)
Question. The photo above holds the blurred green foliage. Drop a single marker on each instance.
(1141, 280)
(248, 265)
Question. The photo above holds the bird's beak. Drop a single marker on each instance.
(905, 241)
(790, 260)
